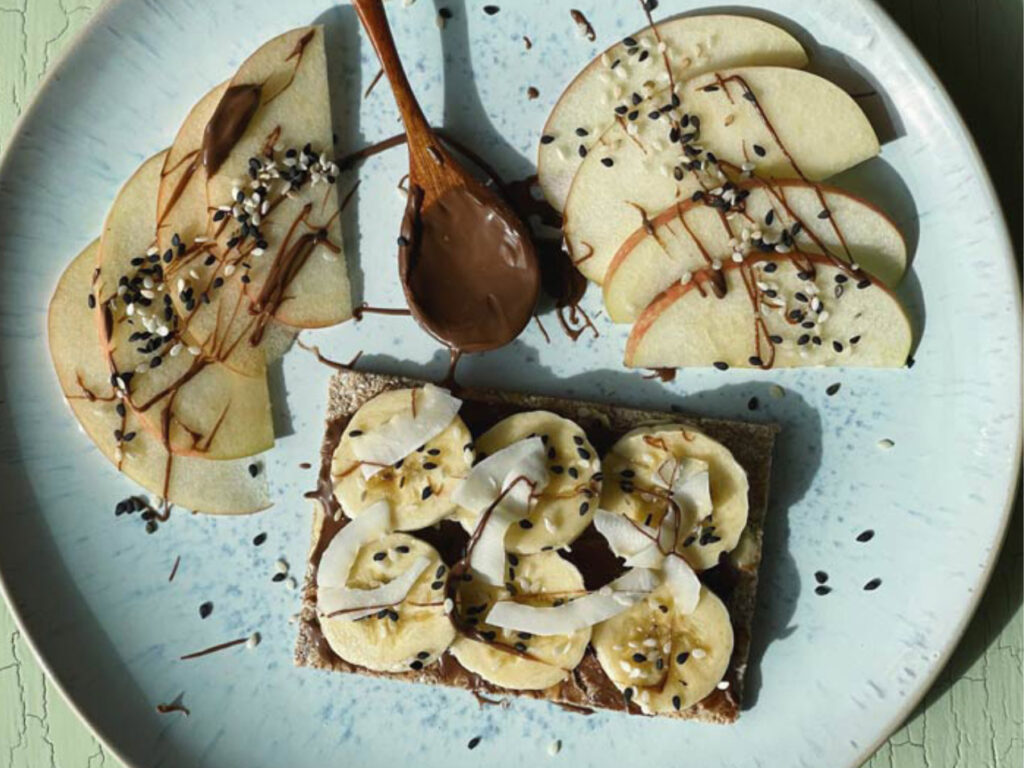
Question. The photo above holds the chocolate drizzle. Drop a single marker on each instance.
(227, 124)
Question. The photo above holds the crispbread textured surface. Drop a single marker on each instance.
(586, 688)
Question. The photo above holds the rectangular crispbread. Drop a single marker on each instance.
(587, 688)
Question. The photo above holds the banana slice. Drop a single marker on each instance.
(418, 486)
(563, 508)
(402, 637)
(513, 659)
(652, 467)
(662, 659)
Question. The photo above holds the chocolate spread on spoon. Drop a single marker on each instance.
(469, 273)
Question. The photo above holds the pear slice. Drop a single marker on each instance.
(813, 130)
(215, 487)
(686, 235)
(693, 45)
(179, 392)
(780, 311)
(294, 267)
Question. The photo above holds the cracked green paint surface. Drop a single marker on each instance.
(972, 718)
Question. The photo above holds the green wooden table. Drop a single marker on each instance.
(973, 716)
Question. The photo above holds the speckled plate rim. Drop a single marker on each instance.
(890, 29)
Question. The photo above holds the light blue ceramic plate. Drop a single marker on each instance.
(831, 676)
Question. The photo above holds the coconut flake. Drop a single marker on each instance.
(336, 562)
(488, 555)
(485, 481)
(406, 431)
(691, 487)
(632, 541)
(352, 604)
(577, 614)
(682, 583)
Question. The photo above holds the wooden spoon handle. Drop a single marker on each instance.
(375, 21)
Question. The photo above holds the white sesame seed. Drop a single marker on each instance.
(886, 444)
(625, 666)
(698, 653)
(258, 251)
(554, 747)
(723, 685)
(650, 642)
(176, 349)
(281, 565)
(291, 583)
(152, 251)
(737, 256)
(193, 350)
(777, 392)
(129, 309)
(253, 641)
(147, 282)
(229, 270)
(748, 167)
(449, 606)
(716, 264)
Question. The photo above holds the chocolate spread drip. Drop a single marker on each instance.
(469, 275)
(227, 124)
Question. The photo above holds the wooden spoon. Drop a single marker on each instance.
(469, 269)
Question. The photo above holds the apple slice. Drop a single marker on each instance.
(278, 178)
(181, 199)
(215, 487)
(655, 157)
(687, 235)
(693, 45)
(210, 409)
(780, 311)
(182, 217)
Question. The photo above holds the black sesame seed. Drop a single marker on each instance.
(752, 404)
(759, 150)
(525, 524)
(254, 469)
(770, 267)
(722, 366)
(557, 469)
(803, 339)
(820, 576)
(423, 655)
(521, 647)
(628, 694)
(403, 241)
(837, 346)
(872, 585)
(583, 453)
(607, 162)
(709, 88)
(629, 42)
(429, 465)
(755, 360)
(436, 584)
(644, 55)
(824, 213)
(402, 548)
(416, 665)
(573, 472)
(378, 556)
(546, 139)
(677, 702)
(822, 590)
(440, 571)
(490, 10)
(393, 615)
(865, 536)
(259, 539)
(769, 218)
(279, 577)
(682, 657)
(865, 283)
(832, 389)
(582, 132)
(151, 526)
(581, 151)
(584, 508)
(634, 114)
(775, 339)
(427, 493)
(205, 609)
(639, 658)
